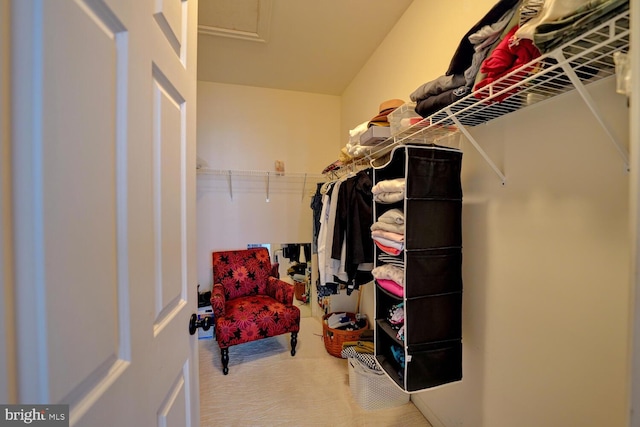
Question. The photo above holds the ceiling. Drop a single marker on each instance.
(301, 45)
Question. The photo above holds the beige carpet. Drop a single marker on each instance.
(267, 387)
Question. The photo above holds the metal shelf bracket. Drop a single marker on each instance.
(588, 100)
(477, 146)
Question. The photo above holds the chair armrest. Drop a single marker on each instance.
(218, 301)
(280, 290)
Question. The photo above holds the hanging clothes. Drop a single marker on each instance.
(316, 207)
(325, 237)
(353, 221)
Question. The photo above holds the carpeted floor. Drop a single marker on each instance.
(267, 387)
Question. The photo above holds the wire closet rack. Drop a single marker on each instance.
(278, 181)
(583, 60)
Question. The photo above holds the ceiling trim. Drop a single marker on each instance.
(261, 35)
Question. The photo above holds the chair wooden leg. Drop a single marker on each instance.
(294, 342)
(225, 360)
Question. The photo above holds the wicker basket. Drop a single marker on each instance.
(299, 289)
(334, 338)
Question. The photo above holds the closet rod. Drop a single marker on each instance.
(356, 165)
(267, 175)
(238, 172)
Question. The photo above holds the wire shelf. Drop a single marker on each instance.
(267, 181)
(257, 173)
(583, 60)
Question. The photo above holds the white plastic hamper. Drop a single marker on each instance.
(372, 389)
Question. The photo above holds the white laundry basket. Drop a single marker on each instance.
(372, 389)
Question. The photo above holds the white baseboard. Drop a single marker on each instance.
(427, 412)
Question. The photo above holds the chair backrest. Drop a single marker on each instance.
(242, 272)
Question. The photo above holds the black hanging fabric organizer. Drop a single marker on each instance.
(432, 256)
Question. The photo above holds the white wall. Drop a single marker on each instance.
(546, 257)
(249, 128)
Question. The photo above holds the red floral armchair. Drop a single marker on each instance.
(248, 302)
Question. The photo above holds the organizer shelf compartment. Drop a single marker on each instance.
(436, 226)
(431, 346)
(434, 174)
(391, 333)
(433, 271)
(437, 364)
(433, 318)
(428, 366)
(392, 369)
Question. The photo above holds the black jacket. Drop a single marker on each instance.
(354, 217)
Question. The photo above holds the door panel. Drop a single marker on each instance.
(80, 194)
(174, 389)
(169, 15)
(103, 205)
(173, 411)
(169, 149)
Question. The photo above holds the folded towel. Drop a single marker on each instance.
(392, 216)
(390, 272)
(387, 249)
(398, 261)
(394, 237)
(389, 186)
(394, 228)
(389, 197)
(391, 286)
(389, 243)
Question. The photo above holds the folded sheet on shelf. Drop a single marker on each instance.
(387, 249)
(389, 186)
(388, 235)
(389, 191)
(392, 216)
(387, 226)
(550, 35)
(390, 272)
(551, 11)
(395, 260)
(391, 286)
(389, 243)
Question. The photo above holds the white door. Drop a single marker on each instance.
(103, 177)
